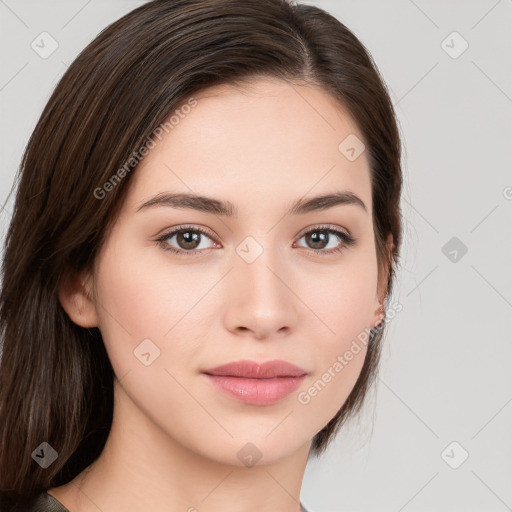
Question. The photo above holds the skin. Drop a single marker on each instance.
(175, 438)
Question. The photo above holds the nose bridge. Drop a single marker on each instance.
(258, 261)
(262, 301)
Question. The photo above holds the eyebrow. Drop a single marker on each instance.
(228, 209)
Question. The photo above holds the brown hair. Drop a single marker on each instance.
(56, 381)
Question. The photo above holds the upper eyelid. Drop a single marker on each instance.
(323, 227)
(201, 229)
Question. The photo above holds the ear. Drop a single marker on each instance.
(76, 295)
(382, 284)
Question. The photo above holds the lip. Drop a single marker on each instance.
(255, 370)
(256, 383)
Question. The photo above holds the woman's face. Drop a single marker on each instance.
(255, 289)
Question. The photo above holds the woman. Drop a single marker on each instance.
(203, 243)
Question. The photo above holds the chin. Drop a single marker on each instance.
(254, 450)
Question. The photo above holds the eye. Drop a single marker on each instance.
(188, 238)
(321, 236)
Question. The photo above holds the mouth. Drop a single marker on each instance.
(256, 383)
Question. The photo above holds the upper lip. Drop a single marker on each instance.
(255, 370)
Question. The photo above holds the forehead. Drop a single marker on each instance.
(268, 140)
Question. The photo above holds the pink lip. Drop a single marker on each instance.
(257, 383)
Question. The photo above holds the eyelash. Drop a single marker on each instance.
(346, 240)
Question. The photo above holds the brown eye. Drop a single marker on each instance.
(187, 239)
(319, 239)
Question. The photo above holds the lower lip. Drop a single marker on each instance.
(256, 391)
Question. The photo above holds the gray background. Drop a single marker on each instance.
(446, 366)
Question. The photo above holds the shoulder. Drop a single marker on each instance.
(43, 502)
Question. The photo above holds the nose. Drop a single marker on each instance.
(260, 301)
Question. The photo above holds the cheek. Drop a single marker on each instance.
(339, 360)
(343, 300)
(130, 305)
(142, 298)
(345, 306)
